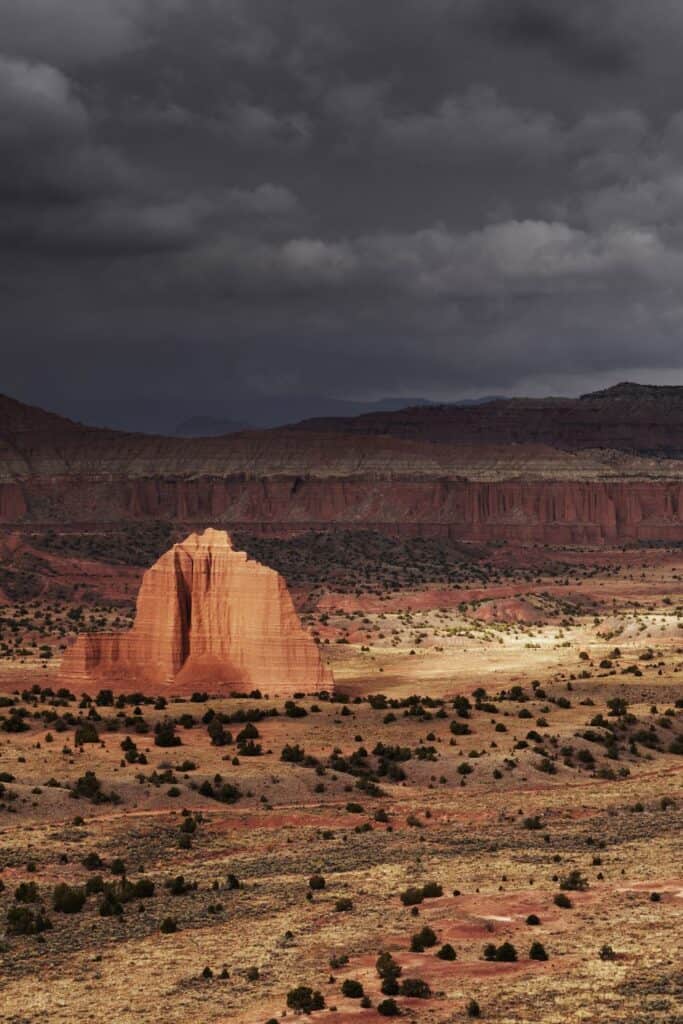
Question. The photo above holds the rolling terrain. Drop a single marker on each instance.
(482, 820)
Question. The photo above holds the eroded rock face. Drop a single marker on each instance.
(605, 469)
(207, 616)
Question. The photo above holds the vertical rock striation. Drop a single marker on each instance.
(207, 615)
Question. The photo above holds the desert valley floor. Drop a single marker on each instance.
(502, 766)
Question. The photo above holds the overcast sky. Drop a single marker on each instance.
(205, 199)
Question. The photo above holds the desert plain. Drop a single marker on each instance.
(492, 795)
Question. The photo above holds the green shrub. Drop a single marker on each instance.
(506, 953)
(447, 952)
(304, 1000)
(389, 971)
(110, 905)
(165, 734)
(26, 892)
(388, 1008)
(23, 921)
(86, 733)
(67, 899)
(92, 861)
(422, 940)
(574, 882)
(415, 988)
(432, 890)
(352, 989)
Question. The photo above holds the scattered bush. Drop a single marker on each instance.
(67, 899)
(86, 733)
(422, 940)
(415, 988)
(506, 953)
(352, 989)
(23, 921)
(304, 1000)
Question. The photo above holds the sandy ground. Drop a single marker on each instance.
(499, 836)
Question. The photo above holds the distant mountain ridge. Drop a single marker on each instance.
(637, 418)
(605, 468)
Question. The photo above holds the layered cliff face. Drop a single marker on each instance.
(604, 469)
(207, 616)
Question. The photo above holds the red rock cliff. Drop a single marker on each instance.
(206, 616)
(520, 471)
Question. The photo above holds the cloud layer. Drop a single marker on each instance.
(445, 196)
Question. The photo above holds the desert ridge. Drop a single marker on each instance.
(206, 616)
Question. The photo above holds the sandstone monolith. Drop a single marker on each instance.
(207, 616)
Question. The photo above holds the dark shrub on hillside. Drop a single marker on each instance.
(352, 989)
(92, 861)
(432, 890)
(389, 971)
(86, 733)
(506, 953)
(412, 896)
(574, 882)
(89, 787)
(165, 734)
(415, 988)
(110, 905)
(68, 899)
(422, 940)
(26, 892)
(304, 1000)
(23, 921)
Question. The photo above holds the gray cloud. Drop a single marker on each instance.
(75, 31)
(343, 198)
(585, 34)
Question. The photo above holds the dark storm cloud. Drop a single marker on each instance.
(584, 33)
(223, 196)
